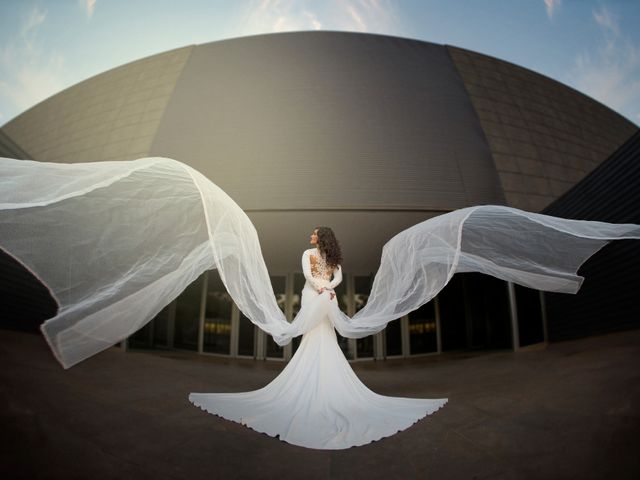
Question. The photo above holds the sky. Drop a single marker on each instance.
(590, 45)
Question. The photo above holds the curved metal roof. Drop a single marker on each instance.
(326, 120)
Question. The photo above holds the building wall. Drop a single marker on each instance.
(336, 129)
(608, 299)
(326, 120)
(330, 128)
(10, 149)
(367, 133)
(349, 111)
(544, 136)
(112, 116)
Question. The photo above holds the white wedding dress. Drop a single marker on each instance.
(317, 401)
(115, 242)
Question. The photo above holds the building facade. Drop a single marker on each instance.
(368, 134)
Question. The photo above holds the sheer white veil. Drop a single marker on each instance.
(117, 241)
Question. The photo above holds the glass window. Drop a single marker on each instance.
(246, 337)
(217, 318)
(529, 315)
(154, 334)
(422, 330)
(161, 327)
(393, 338)
(188, 316)
(488, 299)
(143, 338)
(453, 314)
(474, 312)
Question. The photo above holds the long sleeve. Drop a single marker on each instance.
(306, 269)
(337, 277)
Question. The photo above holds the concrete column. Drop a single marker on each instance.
(235, 330)
(261, 345)
(378, 346)
(203, 310)
(404, 335)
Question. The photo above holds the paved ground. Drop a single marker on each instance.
(569, 411)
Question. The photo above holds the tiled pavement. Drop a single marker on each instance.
(569, 411)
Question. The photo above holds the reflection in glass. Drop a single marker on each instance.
(474, 313)
(452, 314)
(154, 334)
(487, 311)
(187, 316)
(217, 320)
(529, 315)
(393, 338)
(422, 329)
(246, 337)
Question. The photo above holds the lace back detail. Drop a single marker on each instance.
(319, 267)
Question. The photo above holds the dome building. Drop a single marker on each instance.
(368, 134)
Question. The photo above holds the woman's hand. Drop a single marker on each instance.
(332, 294)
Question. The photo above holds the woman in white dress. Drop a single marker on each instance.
(115, 242)
(317, 401)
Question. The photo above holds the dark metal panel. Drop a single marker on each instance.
(24, 301)
(544, 136)
(10, 149)
(608, 300)
(330, 120)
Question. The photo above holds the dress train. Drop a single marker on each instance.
(317, 401)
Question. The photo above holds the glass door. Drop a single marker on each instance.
(217, 318)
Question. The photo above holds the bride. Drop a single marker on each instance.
(114, 242)
(317, 401)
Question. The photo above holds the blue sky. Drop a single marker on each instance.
(591, 45)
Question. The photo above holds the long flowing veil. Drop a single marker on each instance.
(117, 241)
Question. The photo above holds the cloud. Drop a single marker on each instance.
(611, 72)
(27, 74)
(552, 6)
(35, 18)
(358, 22)
(88, 6)
(606, 20)
(268, 16)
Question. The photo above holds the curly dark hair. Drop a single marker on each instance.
(329, 246)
